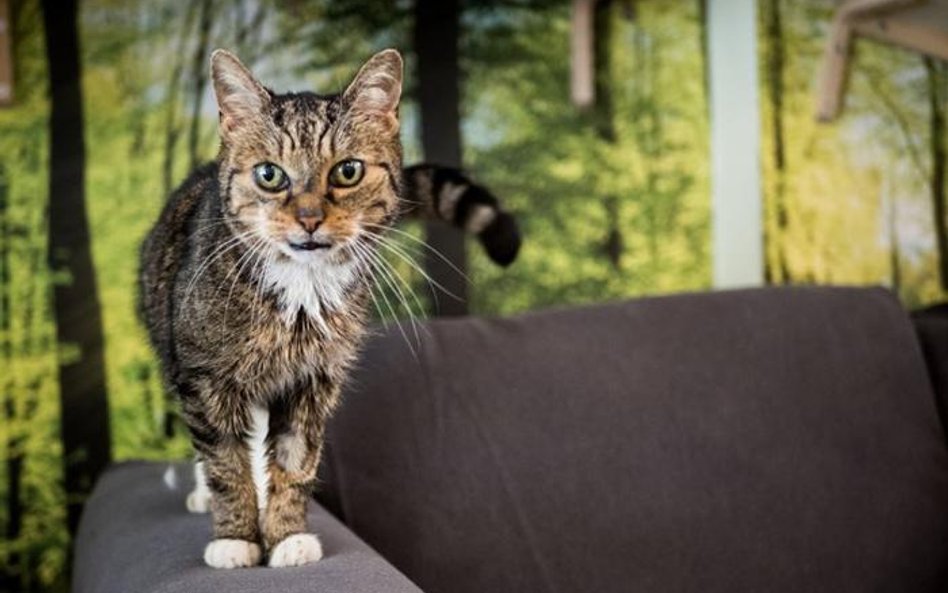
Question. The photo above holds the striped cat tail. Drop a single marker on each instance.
(444, 193)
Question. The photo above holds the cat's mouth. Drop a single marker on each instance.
(309, 245)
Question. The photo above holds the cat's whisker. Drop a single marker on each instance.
(216, 254)
(396, 279)
(210, 258)
(387, 271)
(264, 259)
(408, 250)
(395, 319)
(392, 281)
(403, 250)
(352, 248)
(229, 272)
(367, 254)
(234, 267)
(245, 258)
(434, 293)
(365, 258)
(206, 227)
(420, 242)
(381, 241)
(371, 283)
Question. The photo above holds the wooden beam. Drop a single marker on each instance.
(6, 54)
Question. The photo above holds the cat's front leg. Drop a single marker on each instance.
(234, 504)
(298, 426)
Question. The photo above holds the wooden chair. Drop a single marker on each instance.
(917, 25)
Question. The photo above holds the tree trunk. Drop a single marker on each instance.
(12, 578)
(937, 91)
(83, 407)
(776, 61)
(604, 116)
(199, 68)
(171, 111)
(705, 64)
(437, 26)
(602, 77)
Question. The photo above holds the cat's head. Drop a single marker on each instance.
(303, 176)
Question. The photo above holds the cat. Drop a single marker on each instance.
(255, 288)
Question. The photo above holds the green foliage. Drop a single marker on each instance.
(124, 193)
(855, 192)
(544, 157)
(32, 553)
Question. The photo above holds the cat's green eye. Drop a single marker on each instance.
(347, 173)
(270, 177)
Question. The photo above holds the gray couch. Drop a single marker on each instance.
(783, 440)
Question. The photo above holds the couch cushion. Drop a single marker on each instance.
(762, 440)
(137, 537)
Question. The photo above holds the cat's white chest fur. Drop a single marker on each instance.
(308, 287)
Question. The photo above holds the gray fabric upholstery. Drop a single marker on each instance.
(931, 325)
(779, 440)
(137, 537)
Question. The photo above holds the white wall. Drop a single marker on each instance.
(736, 199)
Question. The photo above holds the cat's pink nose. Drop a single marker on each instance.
(309, 218)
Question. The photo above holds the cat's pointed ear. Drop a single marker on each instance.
(377, 88)
(240, 98)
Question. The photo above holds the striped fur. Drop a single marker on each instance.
(255, 299)
(446, 194)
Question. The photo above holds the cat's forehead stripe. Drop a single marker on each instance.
(329, 117)
(304, 122)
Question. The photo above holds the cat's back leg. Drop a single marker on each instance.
(199, 499)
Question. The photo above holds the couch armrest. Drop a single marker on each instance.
(135, 535)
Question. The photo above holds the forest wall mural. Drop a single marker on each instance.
(614, 200)
(853, 201)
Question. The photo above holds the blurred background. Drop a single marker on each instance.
(614, 196)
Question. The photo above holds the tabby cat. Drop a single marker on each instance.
(255, 286)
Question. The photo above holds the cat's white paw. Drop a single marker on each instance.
(199, 500)
(296, 550)
(231, 553)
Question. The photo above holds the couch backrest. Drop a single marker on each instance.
(931, 326)
(767, 440)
